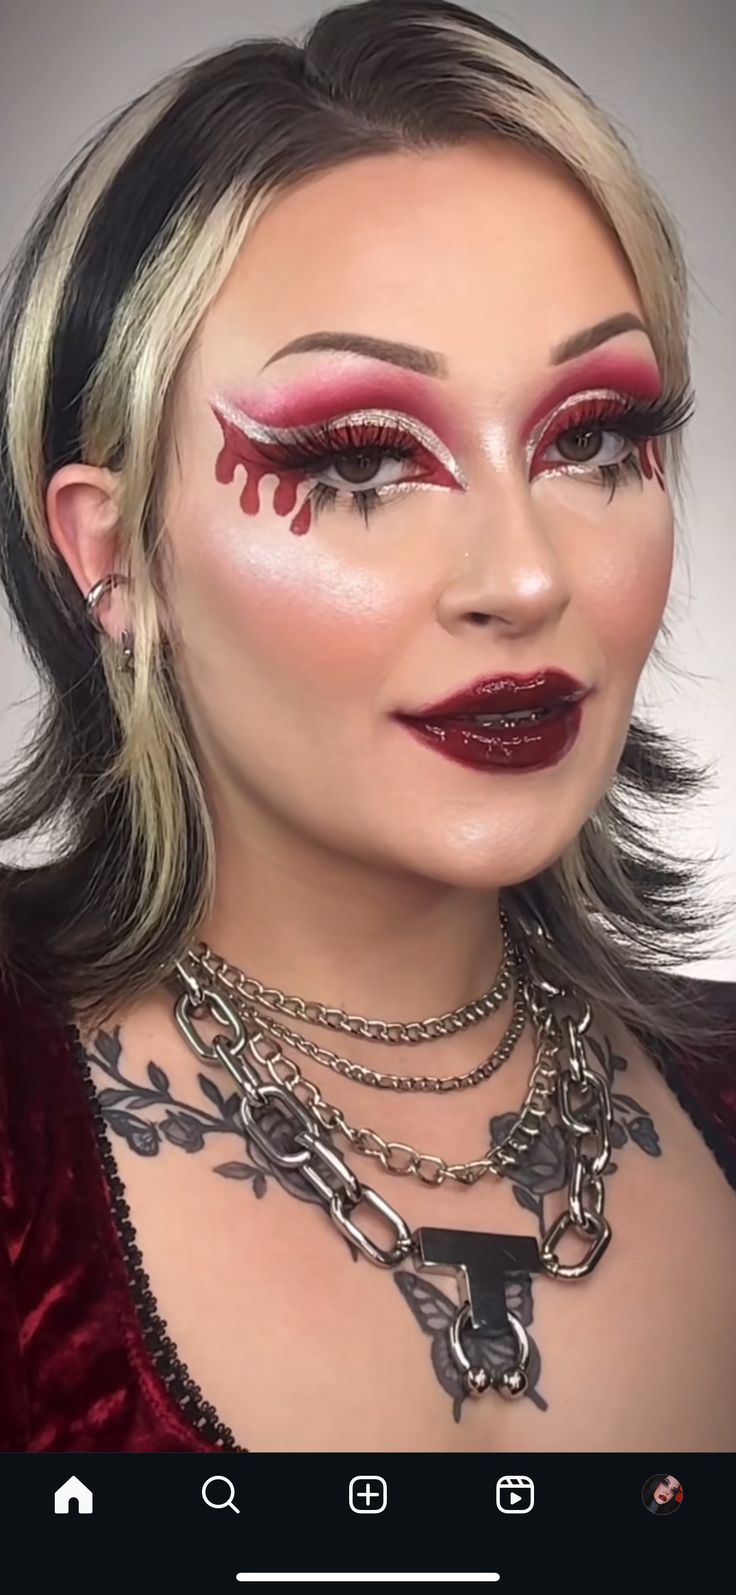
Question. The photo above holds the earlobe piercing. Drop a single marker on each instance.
(114, 579)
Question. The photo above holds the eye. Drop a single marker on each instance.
(580, 437)
(591, 436)
(367, 467)
(581, 445)
(358, 463)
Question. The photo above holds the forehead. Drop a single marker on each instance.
(484, 251)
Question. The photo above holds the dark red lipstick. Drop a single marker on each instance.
(478, 726)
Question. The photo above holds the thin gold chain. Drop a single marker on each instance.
(399, 1158)
(397, 1082)
(391, 1031)
(237, 984)
(396, 1156)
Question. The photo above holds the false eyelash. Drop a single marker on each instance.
(638, 419)
(365, 500)
(324, 441)
(316, 448)
(635, 421)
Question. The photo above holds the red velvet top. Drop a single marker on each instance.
(85, 1361)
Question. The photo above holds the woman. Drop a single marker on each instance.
(405, 269)
(663, 1494)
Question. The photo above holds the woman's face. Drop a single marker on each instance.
(666, 1490)
(300, 629)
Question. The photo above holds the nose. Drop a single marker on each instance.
(505, 563)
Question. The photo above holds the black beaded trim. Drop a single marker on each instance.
(173, 1373)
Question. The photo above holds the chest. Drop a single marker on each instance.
(302, 1346)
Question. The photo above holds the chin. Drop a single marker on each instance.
(491, 867)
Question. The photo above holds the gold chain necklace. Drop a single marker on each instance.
(250, 997)
(398, 1157)
(393, 1032)
(483, 1264)
(397, 1082)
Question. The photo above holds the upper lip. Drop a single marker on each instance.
(501, 694)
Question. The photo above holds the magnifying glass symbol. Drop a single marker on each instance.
(219, 1478)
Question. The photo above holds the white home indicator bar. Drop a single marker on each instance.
(367, 1578)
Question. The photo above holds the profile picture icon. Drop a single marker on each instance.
(662, 1494)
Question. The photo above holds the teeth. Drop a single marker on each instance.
(521, 716)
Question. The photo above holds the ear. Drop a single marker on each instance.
(83, 518)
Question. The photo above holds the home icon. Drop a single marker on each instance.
(73, 1490)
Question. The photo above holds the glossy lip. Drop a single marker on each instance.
(504, 694)
(525, 746)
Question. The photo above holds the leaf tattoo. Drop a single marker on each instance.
(187, 1127)
(544, 1170)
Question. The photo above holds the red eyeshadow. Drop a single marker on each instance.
(320, 398)
(328, 393)
(628, 374)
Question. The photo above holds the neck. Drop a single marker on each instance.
(386, 945)
(354, 937)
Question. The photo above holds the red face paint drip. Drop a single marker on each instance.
(237, 450)
(647, 446)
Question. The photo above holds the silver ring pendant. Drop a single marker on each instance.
(512, 1382)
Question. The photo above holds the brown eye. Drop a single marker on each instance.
(584, 443)
(357, 468)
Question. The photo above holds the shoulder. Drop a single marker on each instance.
(32, 1034)
(701, 1077)
(37, 1086)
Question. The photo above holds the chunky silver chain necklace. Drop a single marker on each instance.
(481, 1263)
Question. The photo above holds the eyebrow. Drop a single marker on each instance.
(429, 363)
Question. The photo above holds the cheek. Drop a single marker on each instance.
(634, 595)
(619, 564)
(303, 610)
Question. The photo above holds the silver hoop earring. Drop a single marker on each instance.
(114, 579)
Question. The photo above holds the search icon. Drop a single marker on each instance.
(219, 1478)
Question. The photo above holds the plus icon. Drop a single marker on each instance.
(367, 1493)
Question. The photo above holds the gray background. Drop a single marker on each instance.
(664, 72)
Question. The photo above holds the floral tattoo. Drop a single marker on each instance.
(149, 1118)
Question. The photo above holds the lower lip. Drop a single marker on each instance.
(520, 747)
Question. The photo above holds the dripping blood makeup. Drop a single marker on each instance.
(258, 436)
(245, 443)
(257, 433)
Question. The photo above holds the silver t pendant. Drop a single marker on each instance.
(481, 1264)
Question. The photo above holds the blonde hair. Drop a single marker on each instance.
(101, 304)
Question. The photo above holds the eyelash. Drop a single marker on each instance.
(636, 422)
